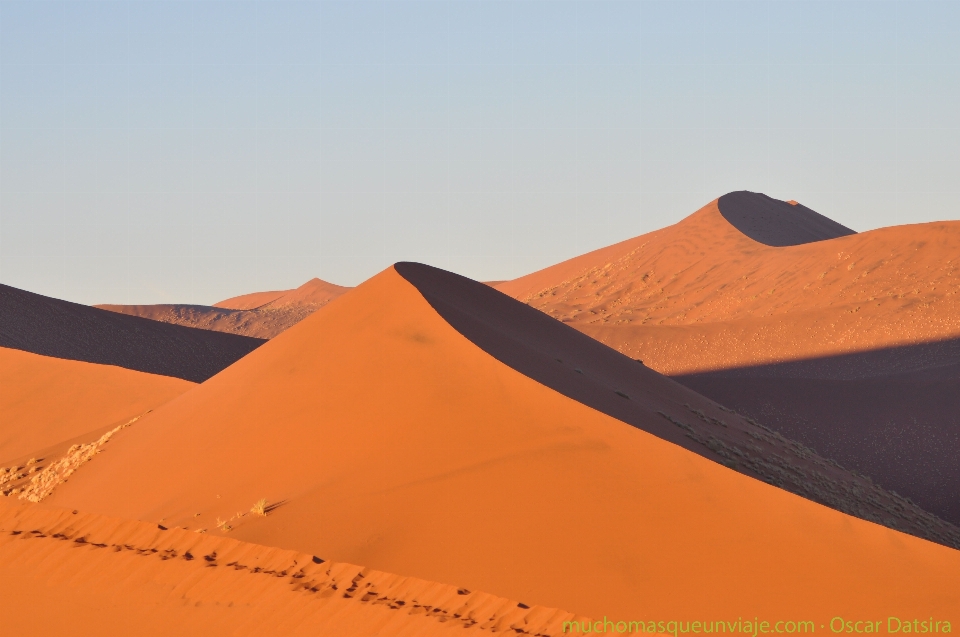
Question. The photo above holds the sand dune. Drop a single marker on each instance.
(47, 403)
(51, 327)
(777, 223)
(704, 270)
(707, 304)
(250, 301)
(384, 436)
(900, 430)
(81, 574)
(259, 315)
(313, 292)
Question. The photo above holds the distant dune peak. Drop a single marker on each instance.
(259, 315)
(315, 291)
(777, 223)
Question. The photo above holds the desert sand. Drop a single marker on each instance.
(258, 315)
(251, 301)
(887, 287)
(47, 403)
(67, 572)
(381, 434)
(51, 327)
(845, 342)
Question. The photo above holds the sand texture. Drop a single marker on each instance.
(48, 403)
(67, 572)
(258, 315)
(382, 435)
(847, 344)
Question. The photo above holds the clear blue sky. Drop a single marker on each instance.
(182, 151)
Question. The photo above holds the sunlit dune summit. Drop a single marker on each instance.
(251, 301)
(51, 327)
(426, 425)
(844, 341)
(259, 315)
(314, 292)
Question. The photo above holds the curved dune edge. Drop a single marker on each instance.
(777, 223)
(53, 327)
(703, 271)
(394, 441)
(700, 297)
(530, 342)
(125, 572)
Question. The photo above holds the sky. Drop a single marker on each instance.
(184, 151)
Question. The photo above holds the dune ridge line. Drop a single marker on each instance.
(289, 574)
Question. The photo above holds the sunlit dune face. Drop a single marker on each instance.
(848, 344)
(742, 303)
(388, 438)
(47, 403)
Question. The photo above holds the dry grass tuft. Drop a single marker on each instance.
(260, 507)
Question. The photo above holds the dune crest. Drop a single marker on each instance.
(777, 223)
(393, 440)
(859, 318)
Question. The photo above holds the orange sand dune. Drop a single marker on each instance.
(260, 315)
(250, 301)
(313, 292)
(830, 314)
(884, 287)
(48, 401)
(64, 572)
(777, 223)
(52, 327)
(386, 437)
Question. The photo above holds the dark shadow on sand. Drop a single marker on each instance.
(892, 414)
(777, 223)
(51, 327)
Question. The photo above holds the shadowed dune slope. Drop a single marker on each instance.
(702, 301)
(64, 572)
(259, 315)
(45, 401)
(61, 329)
(388, 438)
(548, 351)
(777, 223)
(892, 414)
